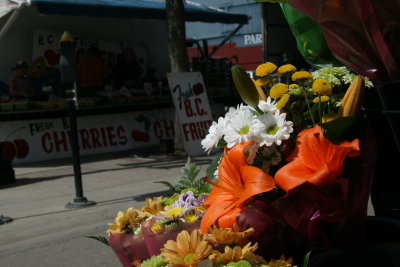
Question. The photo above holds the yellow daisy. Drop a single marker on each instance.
(278, 90)
(126, 221)
(322, 87)
(286, 70)
(282, 102)
(153, 206)
(263, 81)
(324, 98)
(329, 117)
(228, 236)
(234, 254)
(173, 213)
(301, 76)
(265, 69)
(187, 250)
(282, 262)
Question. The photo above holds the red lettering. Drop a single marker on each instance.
(46, 143)
(199, 110)
(120, 132)
(104, 136)
(84, 134)
(188, 107)
(185, 131)
(95, 137)
(193, 131)
(169, 128)
(60, 141)
(157, 130)
(111, 136)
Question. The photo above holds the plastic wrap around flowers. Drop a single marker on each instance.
(138, 234)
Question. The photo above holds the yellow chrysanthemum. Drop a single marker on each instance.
(187, 250)
(286, 70)
(278, 90)
(228, 236)
(293, 86)
(265, 69)
(234, 254)
(173, 213)
(322, 87)
(157, 228)
(282, 102)
(282, 262)
(126, 221)
(301, 76)
(329, 117)
(190, 217)
(263, 81)
(324, 99)
(153, 206)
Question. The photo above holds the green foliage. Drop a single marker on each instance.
(189, 179)
(306, 259)
(102, 239)
(155, 261)
(344, 128)
(241, 263)
(213, 167)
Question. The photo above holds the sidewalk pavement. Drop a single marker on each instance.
(45, 233)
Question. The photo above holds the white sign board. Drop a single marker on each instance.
(191, 103)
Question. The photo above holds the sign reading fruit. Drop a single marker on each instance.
(194, 113)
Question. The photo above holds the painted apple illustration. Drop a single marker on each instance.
(197, 89)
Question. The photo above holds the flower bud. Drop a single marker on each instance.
(245, 86)
(353, 99)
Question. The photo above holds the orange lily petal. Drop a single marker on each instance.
(318, 161)
(229, 219)
(237, 183)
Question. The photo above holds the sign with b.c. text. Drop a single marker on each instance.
(191, 103)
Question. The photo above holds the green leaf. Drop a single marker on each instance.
(102, 239)
(213, 167)
(306, 259)
(344, 128)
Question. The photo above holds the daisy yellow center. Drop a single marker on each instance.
(244, 130)
(272, 129)
(188, 258)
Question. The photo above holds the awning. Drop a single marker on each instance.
(6, 7)
(141, 9)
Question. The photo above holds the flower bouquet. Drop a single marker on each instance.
(297, 162)
(294, 174)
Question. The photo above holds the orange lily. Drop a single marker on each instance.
(237, 184)
(316, 160)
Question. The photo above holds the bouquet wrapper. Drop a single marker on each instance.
(312, 216)
(129, 248)
(360, 33)
(154, 242)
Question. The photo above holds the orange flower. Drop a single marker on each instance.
(228, 236)
(237, 184)
(187, 250)
(316, 160)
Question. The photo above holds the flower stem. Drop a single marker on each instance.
(308, 105)
(320, 110)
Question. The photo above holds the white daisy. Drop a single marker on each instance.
(274, 128)
(240, 128)
(267, 106)
(214, 134)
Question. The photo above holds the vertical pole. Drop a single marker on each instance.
(68, 77)
(264, 31)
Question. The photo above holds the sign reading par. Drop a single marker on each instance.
(253, 39)
(191, 103)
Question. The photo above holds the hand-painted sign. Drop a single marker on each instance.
(191, 103)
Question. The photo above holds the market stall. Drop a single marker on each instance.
(31, 30)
